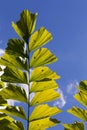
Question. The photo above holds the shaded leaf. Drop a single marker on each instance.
(44, 96)
(41, 57)
(0, 69)
(42, 124)
(83, 86)
(75, 126)
(78, 112)
(39, 38)
(25, 26)
(4, 116)
(82, 98)
(44, 112)
(3, 102)
(16, 47)
(14, 75)
(16, 125)
(7, 125)
(41, 86)
(4, 123)
(14, 92)
(14, 111)
(2, 85)
(12, 60)
(43, 74)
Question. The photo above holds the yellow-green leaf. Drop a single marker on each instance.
(42, 124)
(25, 26)
(44, 111)
(42, 56)
(12, 60)
(75, 126)
(44, 96)
(14, 92)
(41, 86)
(82, 98)
(78, 112)
(16, 47)
(39, 38)
(14, 75)
(14, 111)
(43, 74)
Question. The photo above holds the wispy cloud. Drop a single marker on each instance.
(1, 52)
(71, 87)
(61, 101)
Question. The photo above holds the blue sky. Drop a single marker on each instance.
(67, 21)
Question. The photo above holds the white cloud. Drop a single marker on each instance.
(1, 52)
(71, 87)
(61, 101)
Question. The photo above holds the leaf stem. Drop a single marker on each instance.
(28, 75)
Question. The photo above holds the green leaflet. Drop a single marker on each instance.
(43, 74)
(44, 112)
(2, 85)
(14, 111)
(82, 98)
(12, 60)
(41, 57)
(83, 86)
(44, 96)
(25, 26)
(7, 125)
(78, 112)
(0, 69)
(3, 102)
(42, 124)
(16, 126)
(39, 38)
(41, 86)
(14, 92)
(14, 75)
(75, 126)
(16, 47)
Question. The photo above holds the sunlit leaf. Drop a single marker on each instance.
(25, 26)
(14, 92)
(42, 124)
(41, 57)
(43, 74)
(14, 75)
(16, 47)
(14, 111)
(44, 96)
(78, 112)
(75, 126)
(41, 86)
(39, 38)
(82, 98)
(12, 60)
(44, 111)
